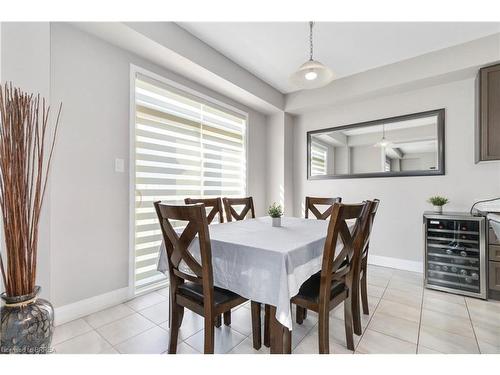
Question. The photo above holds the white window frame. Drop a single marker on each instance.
(134, 70)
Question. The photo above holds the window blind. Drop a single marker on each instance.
(185, 146)
(318, 159)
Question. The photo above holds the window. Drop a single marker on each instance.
(185, 146)
(318, 159)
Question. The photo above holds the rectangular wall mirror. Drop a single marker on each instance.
(410, 145)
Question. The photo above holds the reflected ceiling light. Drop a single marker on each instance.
(383, 142)
(312, 74)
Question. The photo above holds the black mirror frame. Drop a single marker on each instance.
(440, 138)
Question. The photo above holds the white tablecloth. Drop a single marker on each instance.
(264, 263)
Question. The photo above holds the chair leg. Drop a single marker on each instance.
(299, 314)
(227, 318)
(355, 307)
(209, 335)
(349, 338)
(256, 325)
(304, 313)
(218, 321)
(267, 326)
(323, 332)
(364, 291)
(177, 313)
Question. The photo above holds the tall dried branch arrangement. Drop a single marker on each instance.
(25, 155)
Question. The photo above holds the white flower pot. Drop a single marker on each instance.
(276, 221)
(438, 209)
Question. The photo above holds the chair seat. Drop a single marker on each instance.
(310, 288)
(195, 291)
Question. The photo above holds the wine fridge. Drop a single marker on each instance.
(455, 253)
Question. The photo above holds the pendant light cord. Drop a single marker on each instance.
(311, 24)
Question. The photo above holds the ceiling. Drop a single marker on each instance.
(273, 50)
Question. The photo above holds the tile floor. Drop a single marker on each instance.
(404, 318)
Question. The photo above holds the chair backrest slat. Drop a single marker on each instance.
(373, 213)
(177, 245)
(231, 213)
(353, 243)
(311, 203)
(214, 203)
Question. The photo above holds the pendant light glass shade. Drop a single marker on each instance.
(312, 74)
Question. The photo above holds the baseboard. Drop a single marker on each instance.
(67, 313)
(400, 264)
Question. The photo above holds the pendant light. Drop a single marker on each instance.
(312, 74)
(383, 142)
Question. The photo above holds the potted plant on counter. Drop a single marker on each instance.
(438, 202)
(26, 146)
(276, 212)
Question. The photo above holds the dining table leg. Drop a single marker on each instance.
(281, 336)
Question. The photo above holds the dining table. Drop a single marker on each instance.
(265, 264)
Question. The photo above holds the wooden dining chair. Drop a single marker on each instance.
(364, 261)
(214, 204)
(231, 213)
(337, 280)
(191, 285)
(312, 202)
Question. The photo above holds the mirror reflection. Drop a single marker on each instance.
(406, 145)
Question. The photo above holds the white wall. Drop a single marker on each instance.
(89, 201)
(25, 61)
(398, 227)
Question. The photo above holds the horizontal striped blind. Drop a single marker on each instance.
(318, 159)
(184, 147)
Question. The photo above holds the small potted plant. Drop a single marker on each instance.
(438, 202)
(276, 212)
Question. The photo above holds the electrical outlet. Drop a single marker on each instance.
(119, 165)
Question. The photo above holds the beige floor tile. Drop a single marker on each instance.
(447, 342)
(373, 302)
(152, 341)
(377, 343)
(107, 316)
(411, 299)
(310, 345)
(487, 348)
(337, 332)
(300, 331)
(191, 324)
(380, 271)
(423, 350)
(147, 300)
(157, 313)
(396, 327)
(183, 348)
(125, 328)
(69, 330)
(399, 310)
(484, 314)
(403, 286)
(241, 320)
(164, 291)
(378, 280)
(225, 340)
(449, 323)
(477, 303)
(487, 333)
(375, 291)
(88, 343)
(447, 308)
(110, 350)
(246, 347)
(444, 296)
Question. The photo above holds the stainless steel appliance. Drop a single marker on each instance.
(455, 253)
